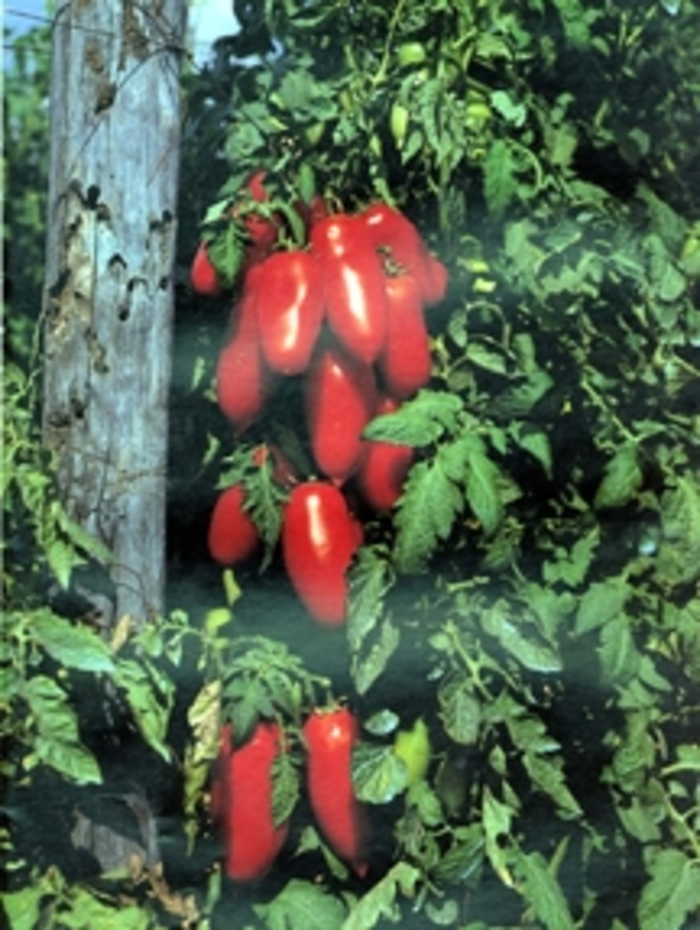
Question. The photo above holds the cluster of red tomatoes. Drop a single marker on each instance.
(346, 314)
(242, 794)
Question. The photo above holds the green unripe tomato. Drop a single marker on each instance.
(411, 53)
(314, 133)
(398, 122)
(414, 749)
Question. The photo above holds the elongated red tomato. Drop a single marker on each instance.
(330, 737)
(233, 537)
(405, 363)
(384, 467)
(388, 229)
(243, 380)
(203, 277)
(290, 310)
(340, 397)
(242, 803)
(319, 539)
(352, 285)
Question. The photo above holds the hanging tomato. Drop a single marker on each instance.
(233, 537)
(242, 803)
(319, 539)
(330, 737)
(243, 380)
(352, 285)
(405, 363)
(383, 468)
(340, 397)
(290, 310)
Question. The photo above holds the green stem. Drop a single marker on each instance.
(384, 64)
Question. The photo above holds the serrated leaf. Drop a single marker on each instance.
(603, 601)
(369, 666)
(461, 712)
(382, 900)
(528, 650)
(536, 443)
(500, 182)
(371, 577)
(671, 894)
(302, 904)
(72, 646)
(285, 790)
(542, 891)
(496, 821)
(619, 657)
(483, 491)
(151, 710)
(622, 479)
(426, 512)
(418, 422)
(378, 775)
(70, 759)
(546, 774)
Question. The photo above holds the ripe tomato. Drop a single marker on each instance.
(290, 310)
(233, 537)
(242, 379)
(330, 737)
(383, 468)
(405, 364)
(390, 230)
(242, 803)
(352, 285)
(340, 397)
(319, 539)
(203, 277)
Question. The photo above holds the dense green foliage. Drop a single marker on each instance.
(534, 594)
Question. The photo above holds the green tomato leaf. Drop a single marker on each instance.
(302, 904)
(621, 480)
(382, 900)
(378, 775)
(72, 646)
(542, 891)
(602, 602)
(671, 894)
(418, 422)
(426, 513)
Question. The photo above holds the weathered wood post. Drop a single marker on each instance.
(115, 131)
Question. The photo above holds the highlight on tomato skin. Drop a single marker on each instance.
(242, 792)
(330, 736)
(319, 538)
(290, 310)
(352, 284)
